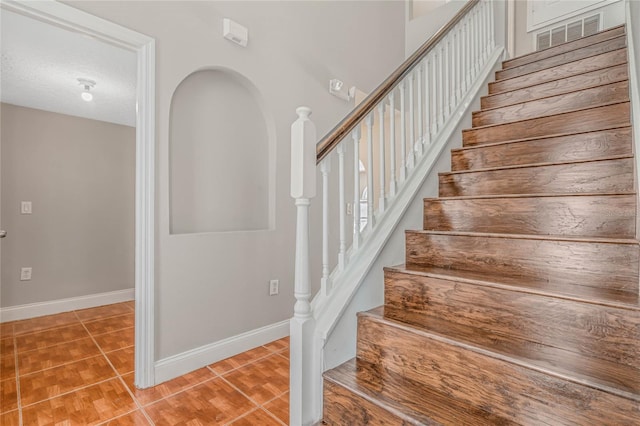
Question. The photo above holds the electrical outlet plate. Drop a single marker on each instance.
(274, 287)
(25, 274)
(25, 207)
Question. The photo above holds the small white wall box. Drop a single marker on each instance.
(235, 32)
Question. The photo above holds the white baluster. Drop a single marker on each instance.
(468, 66)
(476, 44)
(392, 144)
(370, 191)
(439, 81)
(325, 168)
(433, 73)
(342, 250)
(381, 173)
(403, 133)
(492, 29)
(355, 135)
(427, 101)
(446, 82)
(411, 161)
(455, 88)
(417, 147)
(302, 325)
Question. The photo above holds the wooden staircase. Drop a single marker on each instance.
(518, 303)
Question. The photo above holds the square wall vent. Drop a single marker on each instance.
(568, 32)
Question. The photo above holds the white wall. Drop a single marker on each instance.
(79, 175)
(419, 29)
(213, 286)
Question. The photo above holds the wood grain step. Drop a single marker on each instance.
(588, 215)
(557, 87)
(571, 56)
(592, 331)
(600, 176)
(564, 47)
(605, 60)
(359, 393)
(589, 262)
(509, 387)
(583, 120)
(592, 97)
(570, 147)
(538, 286)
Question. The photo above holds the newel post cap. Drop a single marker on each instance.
(303, 155)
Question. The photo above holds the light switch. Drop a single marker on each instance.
(25, 207)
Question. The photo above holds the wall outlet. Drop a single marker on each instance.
(25, 274)
(349, 209)
(274, 287)
(25, 207)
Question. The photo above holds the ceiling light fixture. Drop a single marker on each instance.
(87, 85)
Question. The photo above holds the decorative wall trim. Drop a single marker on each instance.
(182, 363)
(32, 310)
(61, 15)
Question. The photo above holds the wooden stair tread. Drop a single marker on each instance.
(583, 41)
(599, 95)
(594, 295)
(581, 120)
(627, 241)
(494, 196)
(420, 405)
(605, 75)
(562, 58)
(535, 138)
(613, 378)
(526, 166)
(604, 104)
(603, 60)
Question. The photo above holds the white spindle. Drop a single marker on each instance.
(381, 172)
(439, 80)
(417, 146)
(476, 39)
(412, 130)
(485, 30)
(325, 168)
(467, 53)
(370, 191)
(427, 101)
(446, 83)
(392, 144)
(403, 133)
(355, 135)
(454, 68)
(302, 325)
(492, 41)
(434, 96)
(342, 250)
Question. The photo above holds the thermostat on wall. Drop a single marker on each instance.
(235, 32)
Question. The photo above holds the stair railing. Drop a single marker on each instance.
(380, 145)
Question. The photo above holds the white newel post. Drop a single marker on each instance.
(302, 326)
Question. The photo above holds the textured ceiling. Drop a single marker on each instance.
(41, 64)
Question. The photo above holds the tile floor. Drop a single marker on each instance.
(76, 368)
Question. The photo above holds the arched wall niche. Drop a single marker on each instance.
(221, 155)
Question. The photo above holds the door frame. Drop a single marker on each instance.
(61, 15)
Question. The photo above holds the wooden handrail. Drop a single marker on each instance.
(333, 138)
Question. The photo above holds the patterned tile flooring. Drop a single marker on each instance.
(76, 368)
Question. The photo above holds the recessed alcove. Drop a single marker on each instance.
(219, 155)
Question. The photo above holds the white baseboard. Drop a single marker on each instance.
(182, 363)
(32, 310)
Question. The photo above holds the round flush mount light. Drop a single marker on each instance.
(87, 85)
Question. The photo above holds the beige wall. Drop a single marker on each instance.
(213, 286)
(80, 176)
